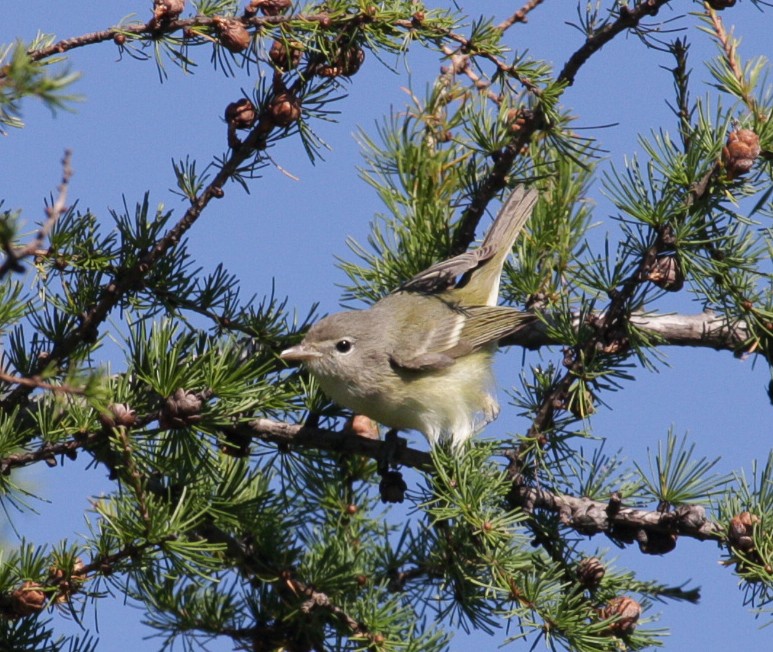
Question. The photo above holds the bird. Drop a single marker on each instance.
(420, 358)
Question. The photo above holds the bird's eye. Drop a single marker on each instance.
(343, 346)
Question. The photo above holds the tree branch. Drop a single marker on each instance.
(47, 452)
(584, 515)
(286, 434)
(129, 278)
(533, 120)
(591, 517)
(704, 330)
(627, 18)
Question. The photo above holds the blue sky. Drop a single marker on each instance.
(289, 232)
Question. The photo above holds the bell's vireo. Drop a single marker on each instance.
(420, 358)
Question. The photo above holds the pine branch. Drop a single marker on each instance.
(303, 436)
(608, 328)
(284, 580)
(48, 451)
(703, 330)
(125, 280)
(495, 181)
(155, 30)
(586, 516)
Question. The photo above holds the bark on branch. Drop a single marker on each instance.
(706, 329)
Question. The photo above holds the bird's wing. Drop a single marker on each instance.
(487, 324)
(460, 332)
(429, 344)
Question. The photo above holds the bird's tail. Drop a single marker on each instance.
(483, 281)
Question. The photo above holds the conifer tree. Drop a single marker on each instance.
(243, 505)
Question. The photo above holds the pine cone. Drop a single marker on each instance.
(590, 572)
(232, 33)
(719, 5)
(180, 410)
(345, 64)
(392, 487)
(269, 7)
(667, 273)
(240, 114)
(742, 149)
(740, 533)
(284, 56)
(166, 10)
(118, 414)
(627, 612)
(285, 107)
(28, 599)
(67, 582)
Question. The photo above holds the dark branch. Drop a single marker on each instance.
(627, 19)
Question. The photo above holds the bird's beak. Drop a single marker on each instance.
(299, 353)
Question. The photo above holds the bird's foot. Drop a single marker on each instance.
(392, 486)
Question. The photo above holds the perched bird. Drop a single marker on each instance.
(420, 358)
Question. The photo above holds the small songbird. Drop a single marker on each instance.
(420, 358)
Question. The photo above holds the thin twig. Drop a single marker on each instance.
(627, 19)
(15, 254)
(519, 16)
(729, 48)
(36, 382)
